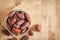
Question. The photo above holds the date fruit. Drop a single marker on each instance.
(6, 32)
(25, 37)
(16, 30)
(24, 25)
(13, 20)
(37, 27)
(20, 15)
(19, 22)
(27, 17)
(11, 14)
(30, 32)
(12, 39)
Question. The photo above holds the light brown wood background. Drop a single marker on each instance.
(43, 12)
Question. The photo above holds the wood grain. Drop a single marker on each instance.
(43, 12)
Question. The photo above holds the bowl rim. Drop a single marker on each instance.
(6, 23)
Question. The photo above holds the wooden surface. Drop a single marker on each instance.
(43, 12)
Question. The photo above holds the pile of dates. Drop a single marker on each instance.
(18, 22)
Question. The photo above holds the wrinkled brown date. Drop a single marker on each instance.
(25, 37)
(19, 22)
(16, 30)
(9, 20)
(11, 14)
(30, 32)
(17, 26)
(12, 39)
(6, 32)
(20, 15)
(24, 30)
(13, 20)
(27, 17)
(37, 27)
(24, 25)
